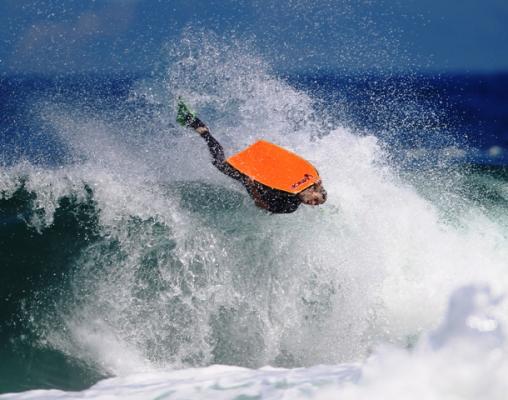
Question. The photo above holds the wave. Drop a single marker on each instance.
(134, 254)
(446, 358)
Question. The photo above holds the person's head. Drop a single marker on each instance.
(314, 195)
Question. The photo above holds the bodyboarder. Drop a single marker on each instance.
(268, 198)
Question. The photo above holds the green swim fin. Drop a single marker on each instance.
(184, 115)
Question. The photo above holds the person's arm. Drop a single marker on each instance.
(255, 193)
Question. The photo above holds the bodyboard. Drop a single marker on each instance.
(275, 167)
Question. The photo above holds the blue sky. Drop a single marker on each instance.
(115, 36)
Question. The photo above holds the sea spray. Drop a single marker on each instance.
(182, 270)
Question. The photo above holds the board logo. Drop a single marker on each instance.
(305, 178)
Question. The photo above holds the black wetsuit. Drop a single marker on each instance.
(274, 200)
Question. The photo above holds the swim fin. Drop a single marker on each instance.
(184, 115)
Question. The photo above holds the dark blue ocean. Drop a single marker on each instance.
(122, 250)
(409, 110)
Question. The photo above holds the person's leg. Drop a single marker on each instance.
(186, 117)
(199, 126)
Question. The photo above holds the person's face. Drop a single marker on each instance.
(314, 195)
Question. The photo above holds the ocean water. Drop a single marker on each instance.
(132, 269)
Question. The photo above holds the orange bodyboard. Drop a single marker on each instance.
(275, 167)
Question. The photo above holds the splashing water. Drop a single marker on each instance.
(467, 362)
(184, 271)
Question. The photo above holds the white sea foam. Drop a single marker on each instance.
(185, 276)
(464, 358)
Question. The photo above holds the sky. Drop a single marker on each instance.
(129, 36)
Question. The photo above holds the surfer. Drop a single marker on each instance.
(272, 200)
